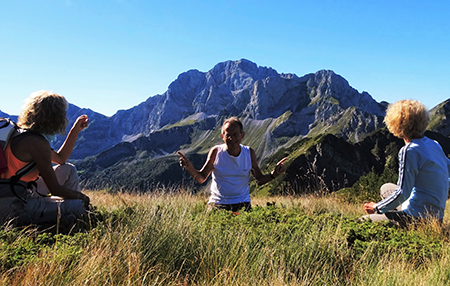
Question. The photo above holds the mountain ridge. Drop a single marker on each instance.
(241, 88)
(278, 110)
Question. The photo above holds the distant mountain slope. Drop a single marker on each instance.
(241, 88)
(325, 163)
(440, 118)
(6, 115)
(311, 104)
(328, 163)
(307, 105)
(136, 146)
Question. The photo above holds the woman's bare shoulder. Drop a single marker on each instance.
(25, 146)
(30, 139)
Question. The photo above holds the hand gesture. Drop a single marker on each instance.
(81, 123)
(369, 207)
(280, 168)
(184, 161)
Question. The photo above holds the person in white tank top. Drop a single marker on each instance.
(231, 165)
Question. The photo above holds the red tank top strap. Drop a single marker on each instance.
(15, 165)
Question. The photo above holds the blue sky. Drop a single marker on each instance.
(111, 55)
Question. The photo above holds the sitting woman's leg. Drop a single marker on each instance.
(49, 209)
(43, 208)
(66, 175)
(399, 218)
(386, 190)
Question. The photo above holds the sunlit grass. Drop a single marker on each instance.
(167, 238)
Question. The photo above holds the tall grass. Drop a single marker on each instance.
(167, 238)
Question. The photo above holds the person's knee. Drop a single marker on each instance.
(67, 176)
(66, 168)
(387, 189)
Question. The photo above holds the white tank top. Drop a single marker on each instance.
(230, 176)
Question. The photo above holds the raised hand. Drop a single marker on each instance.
(184, 161)
(280, 168)
(81, 123)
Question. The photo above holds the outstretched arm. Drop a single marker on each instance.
(261, 179)
(199, 176)
(63, 154)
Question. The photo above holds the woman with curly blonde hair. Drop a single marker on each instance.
(422, 187)
(43, 115)
(44, 112)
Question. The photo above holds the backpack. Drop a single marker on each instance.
(8, 129)
(13, 191)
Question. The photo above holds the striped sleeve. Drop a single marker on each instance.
(405, 181)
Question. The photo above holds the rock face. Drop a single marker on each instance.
(317, 103)
(333, 163)
(277, 109)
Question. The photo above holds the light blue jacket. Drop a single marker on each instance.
(424, 172)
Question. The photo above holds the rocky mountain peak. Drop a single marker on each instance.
(327, 84)
(242, 88)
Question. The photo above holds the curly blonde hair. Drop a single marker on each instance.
(44, 112)
(407, 119)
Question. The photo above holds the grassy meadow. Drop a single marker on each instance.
(167, 238)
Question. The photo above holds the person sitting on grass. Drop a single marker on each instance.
(57, 194)
(423, 182)
(231, 164)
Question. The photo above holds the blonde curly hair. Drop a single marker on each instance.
(407, 119)
(44, 112)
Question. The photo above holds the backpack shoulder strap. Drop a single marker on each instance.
(8, 130)
(26, 170)
(15, 135)
(22, 134)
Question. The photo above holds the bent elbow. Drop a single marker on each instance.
(59, 161)
(200, 180)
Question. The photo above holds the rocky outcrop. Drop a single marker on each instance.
(333, 163)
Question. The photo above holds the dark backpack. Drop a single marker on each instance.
(8, 129)
(12, 186)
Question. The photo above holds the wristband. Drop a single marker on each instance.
(272, 176)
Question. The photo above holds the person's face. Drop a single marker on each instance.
(232, 134)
